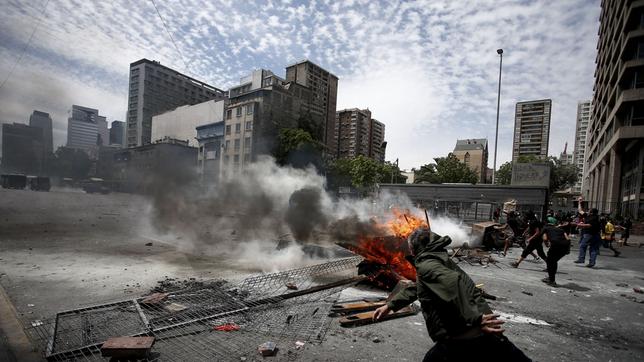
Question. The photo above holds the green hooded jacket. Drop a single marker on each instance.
(450, 301)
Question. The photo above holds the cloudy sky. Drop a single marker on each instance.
(427, 69)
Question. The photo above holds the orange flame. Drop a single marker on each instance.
(391, 251)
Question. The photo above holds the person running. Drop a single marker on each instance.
(626, 231)
(534, 242)
(458, 319)
(558, 242)
(608, 236)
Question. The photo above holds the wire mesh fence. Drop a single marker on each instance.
(282, 307)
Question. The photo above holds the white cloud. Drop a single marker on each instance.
(426, 68)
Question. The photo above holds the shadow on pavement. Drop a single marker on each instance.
(574, 286)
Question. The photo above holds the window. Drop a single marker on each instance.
(247, 158)
(249, 125)
(237, 127)
(236, 144)
(226, 159)
(466, 159)
(227, 129)
(247, 143)
(249, 109)
(229, 114)
(236, 159)
(239, 111)
(227, 144)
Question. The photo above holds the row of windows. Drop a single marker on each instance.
(236, 158)
(248, 127)
(237, 144)
(238, 111)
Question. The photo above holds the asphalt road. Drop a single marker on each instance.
(63, 249)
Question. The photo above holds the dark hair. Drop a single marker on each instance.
(419, 239)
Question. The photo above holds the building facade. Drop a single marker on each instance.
(210, 138)
(258, 108)
(22, 149)
(584, 109)
(155, 89)
(474, 153)
(181, 123)
(86, 129)
(614, 165)
(359, 134)
(43, 121)
(531, 129)
(324, 94)
(117, 134)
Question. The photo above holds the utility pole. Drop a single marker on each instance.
(498, 105)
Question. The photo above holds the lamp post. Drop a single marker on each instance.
(498, 104)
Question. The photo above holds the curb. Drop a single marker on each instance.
(14, 343)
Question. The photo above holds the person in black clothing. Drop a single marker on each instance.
(558, 242)
(534, 242)
(626, 231)
(590, 237)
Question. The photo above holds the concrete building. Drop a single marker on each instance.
(117, 134)
(324, 89)
(43, 121)
(155, 89)
(615, 140)
(531, 129)
(181, 123)
(22, 149)
(210, 138)
(154, 168)
(584, 109)
(258, 108)
(359, 134)
(86, 129)
(474, 153)
(377, 145)
(566, 158)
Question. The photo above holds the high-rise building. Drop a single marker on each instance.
(531, 129)
(615, 139)
(583, 118)
(324, 95)
(474, 153)
(181, 123)
(43, 121)
(377, 140)
(258, 108)
(155, 89)
(117, 133)
(359, 134)
(86, 129)
(22, 148)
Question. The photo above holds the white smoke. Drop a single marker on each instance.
(245, 215)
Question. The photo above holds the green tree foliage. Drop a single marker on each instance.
(364, 172)
(71, 162)
(445, 170)
(503, 175)
(292, 141)
(562, 176)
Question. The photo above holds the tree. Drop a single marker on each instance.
(71, 162)
(504, 175)
(445, 170)
(297, 148)
(364, 172)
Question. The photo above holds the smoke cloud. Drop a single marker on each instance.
(267, 215)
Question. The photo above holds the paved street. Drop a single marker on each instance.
(60, 250)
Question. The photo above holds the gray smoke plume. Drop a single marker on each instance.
(250, 213)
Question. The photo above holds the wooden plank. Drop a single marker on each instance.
(356, 307)
(361, 319)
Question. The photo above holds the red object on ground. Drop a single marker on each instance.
(228, 327)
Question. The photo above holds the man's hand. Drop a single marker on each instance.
(381, 312)
(490, 324)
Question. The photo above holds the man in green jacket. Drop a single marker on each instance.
(458, 319)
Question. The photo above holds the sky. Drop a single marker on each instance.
(427, 69)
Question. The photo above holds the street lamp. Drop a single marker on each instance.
(498, 104)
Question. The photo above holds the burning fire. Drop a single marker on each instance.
(389, 251)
